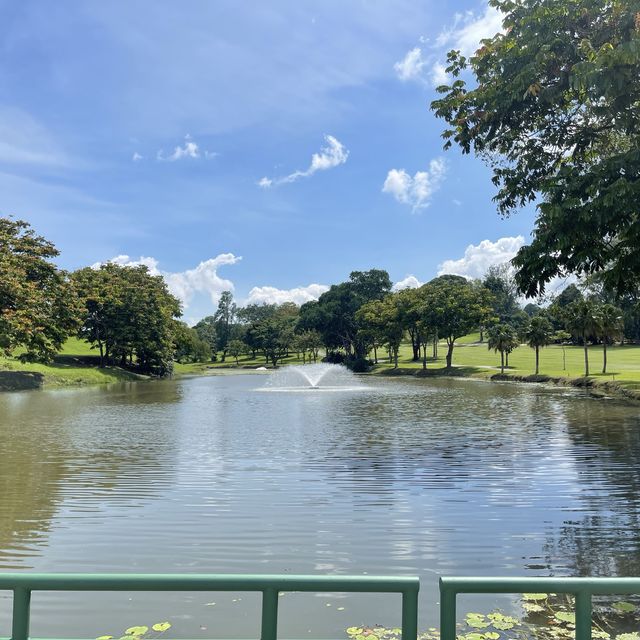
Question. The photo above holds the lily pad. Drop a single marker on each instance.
(104, 638)
(624, 607)
(476, 620)
(628, 636)
(502, 622)
(532, 607)
(354, 631)
(567, 616)
(491, 635)
(161, 626)
(535, 596)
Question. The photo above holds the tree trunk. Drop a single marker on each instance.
(435, 346)
(375, 353)
(586, 355)
(506, 359)
(395, 358)
(537, 359)
(101, 353)
(237, 363)
(481, 334)
(450, 353)
(604, 356)
(501, 361)
(424, 355)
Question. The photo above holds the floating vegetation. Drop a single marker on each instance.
(141, 632)
(546, 616)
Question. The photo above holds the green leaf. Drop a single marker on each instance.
(566, 616)
(137, 631)
(491, 635)
(161, 626)
(628, 636)
(476, 620)
(624, 607)
(502, 622)
(104, 638)
(535, 596)
(532, 607)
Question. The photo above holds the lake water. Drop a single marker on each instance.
(400, 476)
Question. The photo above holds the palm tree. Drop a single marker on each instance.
(610, 328)
(502, 338)
(538, 333)
(583, 321)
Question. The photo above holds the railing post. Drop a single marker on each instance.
(269, 629)
(583, 615)
(447, 612)
(21, 604)
(410, 614)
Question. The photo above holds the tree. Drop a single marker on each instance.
(206, 330)
(383, 318)
(335, 314)
(188, 345)
(561, 337)
(583, 322)
(502, 338)
(610, 327)
(224, 318)
(236, 349)
(499, 280)
(553, 109)
(38, 306)
(455, 307)
(539, 333)
(128, 312)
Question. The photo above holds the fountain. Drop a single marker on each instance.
(321, 376)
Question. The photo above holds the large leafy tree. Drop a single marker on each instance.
(224, 318)
(554, 108)
(128, 314)
(455, 307)
(38, 307)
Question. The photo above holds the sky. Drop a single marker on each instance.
(266, 148)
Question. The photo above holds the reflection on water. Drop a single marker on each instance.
(208, 475)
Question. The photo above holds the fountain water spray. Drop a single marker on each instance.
(313, 376)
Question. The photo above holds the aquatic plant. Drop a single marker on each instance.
(546, 616)
(141, 632)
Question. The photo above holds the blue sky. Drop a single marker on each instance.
(265, 147)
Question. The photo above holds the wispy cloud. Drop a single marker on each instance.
(189, 149)
(411, 66)
(26, 141)
(273, 295)
(333, 154)
(465, 33)
(415, 191)
(136, 157)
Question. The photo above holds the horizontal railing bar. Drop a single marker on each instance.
(594, 586)
(200, 582)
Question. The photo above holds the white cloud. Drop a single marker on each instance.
(478, 258)
(330, 156)
(136, 157)
(185, 284)
(410, 282)
(417, 190)
(190, 149)
(299, 295)
(465, 34)
(411, 66)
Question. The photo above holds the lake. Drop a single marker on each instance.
(394, 476)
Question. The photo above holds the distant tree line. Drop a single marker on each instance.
(131, 319)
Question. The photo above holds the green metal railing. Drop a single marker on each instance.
(582, 588)
(24, 584)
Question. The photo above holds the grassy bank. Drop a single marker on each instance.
(76, 365)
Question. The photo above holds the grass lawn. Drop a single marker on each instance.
(76, 364)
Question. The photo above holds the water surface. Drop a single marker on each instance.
(214, 474)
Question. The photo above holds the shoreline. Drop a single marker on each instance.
(29, 380)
